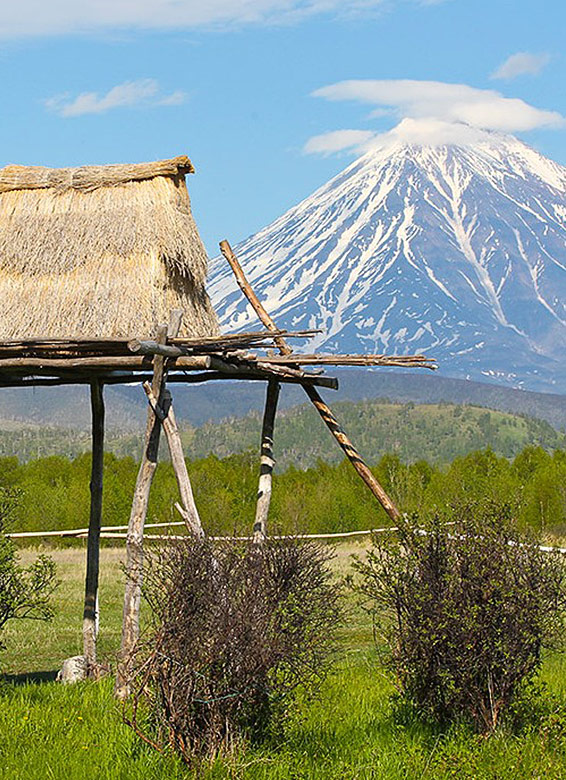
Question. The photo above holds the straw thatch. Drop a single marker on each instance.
(101, 251)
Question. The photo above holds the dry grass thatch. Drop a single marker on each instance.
(105, 251)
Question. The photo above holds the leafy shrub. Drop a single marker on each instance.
(24, 593)
(466, 609)
(237, 629)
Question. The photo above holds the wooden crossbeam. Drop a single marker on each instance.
(121, 347)
(349, 360)
(250, 374)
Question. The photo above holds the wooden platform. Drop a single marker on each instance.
(231, 356)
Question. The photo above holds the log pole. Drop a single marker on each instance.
(187, 509)
(267, 462)
(322, 408)
(134, 540)
(352, 454)
(257, 305)
(90, 613)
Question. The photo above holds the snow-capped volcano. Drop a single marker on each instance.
(458, 251)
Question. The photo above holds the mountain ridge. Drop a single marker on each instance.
(42, 408)
(456, 251)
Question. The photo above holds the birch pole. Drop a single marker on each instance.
(322, 408)
(267, 462)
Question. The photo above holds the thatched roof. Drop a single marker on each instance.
(100, 251)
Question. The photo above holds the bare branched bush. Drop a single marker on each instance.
(237, 629)
(465, 609)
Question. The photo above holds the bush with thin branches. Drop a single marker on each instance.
(237, 630)
(24, 593)
(466, 604)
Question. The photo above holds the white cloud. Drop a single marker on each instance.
(54, 17)
(483, 108)
(431, 112)
(432, 132)
(338, 141)
(176, 98)
(429, 132)
(130, 94)
(520, 64)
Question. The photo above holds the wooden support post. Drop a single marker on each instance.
(90, 614)
(266, 462)
(351, 453)
(134, 541)
(187, 509)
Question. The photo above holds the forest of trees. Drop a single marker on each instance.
(54, 492)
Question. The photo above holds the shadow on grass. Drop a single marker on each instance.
(29, 678)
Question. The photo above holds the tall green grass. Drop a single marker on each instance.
(351, 730)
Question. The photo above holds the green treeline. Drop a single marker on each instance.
(54, 492)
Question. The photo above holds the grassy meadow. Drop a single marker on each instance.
(352, 730)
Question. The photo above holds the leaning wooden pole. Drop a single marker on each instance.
(90, 614)
(352, 454)
(134, 540)
(187, 509)
(323, 409)
(267, 462)
(257, 305)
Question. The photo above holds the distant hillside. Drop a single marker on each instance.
(29, 442)
(427, 387)
(69, 407)
(436, 433)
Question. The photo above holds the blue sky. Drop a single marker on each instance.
(231, 84)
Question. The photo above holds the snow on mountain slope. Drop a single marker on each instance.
(455, 251)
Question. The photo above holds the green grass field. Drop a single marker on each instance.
(350, 731)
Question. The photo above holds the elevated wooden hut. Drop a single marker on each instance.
(90, 259)
(100, 252)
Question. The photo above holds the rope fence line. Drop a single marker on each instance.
(112, 532)
(79, 532)
(345, 534)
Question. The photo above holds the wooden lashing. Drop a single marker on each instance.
(134, 540)
(266, 462)
(90, 614)
(323, 409)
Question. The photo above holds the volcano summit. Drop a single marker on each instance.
(457, 251)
